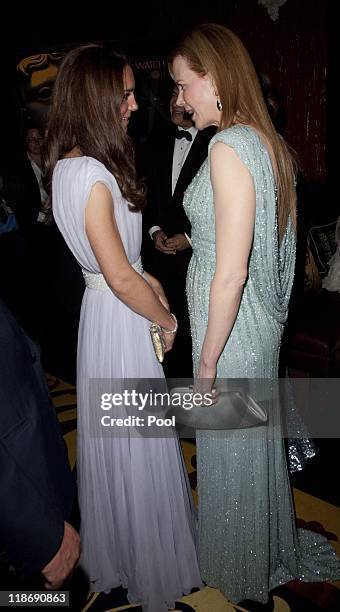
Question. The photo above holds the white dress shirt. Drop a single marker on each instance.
(43, 194)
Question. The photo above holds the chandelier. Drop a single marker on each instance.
(272, 7)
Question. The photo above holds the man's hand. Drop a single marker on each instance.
(160, 240)
(178, 242)
(62, 564)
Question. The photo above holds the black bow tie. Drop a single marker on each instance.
(183, 134)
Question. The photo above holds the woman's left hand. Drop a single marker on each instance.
(205, 378)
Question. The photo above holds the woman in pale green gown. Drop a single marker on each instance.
(241, 205)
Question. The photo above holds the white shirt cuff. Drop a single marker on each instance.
(188, 239)
(153, 229)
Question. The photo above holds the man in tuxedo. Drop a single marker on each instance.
(22, 182)
(173, 163)
(38, 545)
(25, 248)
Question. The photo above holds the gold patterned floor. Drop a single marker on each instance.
(312, 513)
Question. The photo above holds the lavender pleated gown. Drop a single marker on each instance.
(137, 515)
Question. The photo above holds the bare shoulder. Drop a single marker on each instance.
(222, 150)
(225, 161)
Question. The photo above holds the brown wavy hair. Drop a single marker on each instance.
(213, 49)
(85, 113)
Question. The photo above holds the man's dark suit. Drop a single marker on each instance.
(21, 189)
(57, 285)
(22, 250)
(36, 484)
(166, 210)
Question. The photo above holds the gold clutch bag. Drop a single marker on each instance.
(157, 341)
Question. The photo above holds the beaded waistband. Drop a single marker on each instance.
(94, 280)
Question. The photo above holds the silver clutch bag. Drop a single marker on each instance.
(233, 410)
(157, 341)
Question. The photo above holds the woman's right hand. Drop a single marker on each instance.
(169, 341)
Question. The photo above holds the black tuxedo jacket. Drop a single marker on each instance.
(36, 485)
(21, 189)
(163, 208)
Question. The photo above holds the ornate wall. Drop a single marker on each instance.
(290, 51)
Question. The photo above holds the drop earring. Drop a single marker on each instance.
(219, 104)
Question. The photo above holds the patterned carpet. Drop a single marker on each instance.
(312, 513)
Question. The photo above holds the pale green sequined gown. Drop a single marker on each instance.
(248, 543)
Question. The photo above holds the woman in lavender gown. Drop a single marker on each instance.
(137, 519)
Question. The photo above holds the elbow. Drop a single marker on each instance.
(119, 286)
(232, 280)
(121, 283)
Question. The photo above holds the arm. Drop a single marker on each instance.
(62, 564)
(36, 496)
(158, 289)
(151, 212)
(234, 201)
(125, 282)
(32, 528)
